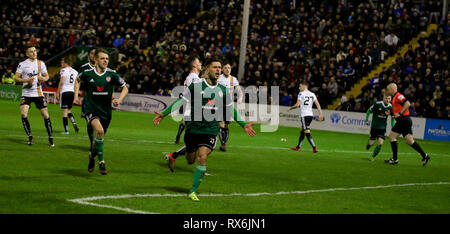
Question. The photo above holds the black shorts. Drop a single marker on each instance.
(403, 125)
(306, 122)
(377, 133)
(195, 141)
(66, 100)
(40, 102)
(105, 123)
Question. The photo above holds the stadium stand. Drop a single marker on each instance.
(330, 45)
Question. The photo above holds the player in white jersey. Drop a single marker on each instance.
(306, 99)
(232, 83)
(32, 72)
(195, 67)
(65, 94)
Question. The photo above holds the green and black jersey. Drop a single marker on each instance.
(208, 105)
(380, 115)
(85, 67)
(98, 90)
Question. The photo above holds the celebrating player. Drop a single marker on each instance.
(231, 83)
(403, 125)
(66, 94)
(381, 110)
(306, 99)
(32, 72)
(201, 132)
(98, 85)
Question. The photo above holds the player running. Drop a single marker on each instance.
(232, 84)
(66, 94)
(381, 110)
(98, 85)
(32, 72)
(306, 99)
(403, 125)
(201, 132)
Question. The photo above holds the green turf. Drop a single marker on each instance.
(40, 179)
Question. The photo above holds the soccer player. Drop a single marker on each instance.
(98, 85)
(403, 125)
(32, 72)
(195, 67)
(306, 99)
(381, 110)
(231, 83)
(209, 102)
(66, 94)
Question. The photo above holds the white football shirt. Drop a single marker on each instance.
(230, 82)
(307, 99)
(69, 75)
(30, 69)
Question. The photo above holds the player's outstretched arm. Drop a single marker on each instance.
(173, 107)
(368, 114)
(247, 126)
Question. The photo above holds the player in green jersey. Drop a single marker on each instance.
(98, 85)
(381, 110)
(210, 103)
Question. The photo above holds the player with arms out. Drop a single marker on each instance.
(210, 103)
(306, 99)
(98, 85)
(403, 125)
(32, 72)
(232, 84)
(381, 110)
(65, 94)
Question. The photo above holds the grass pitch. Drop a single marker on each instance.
(257, 175)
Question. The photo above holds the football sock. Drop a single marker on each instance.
(48, 126)
(180, 130)
(419, 149)
(376, 151)
(72, 119)
(222, 135)
(300, 140)
(65, 124)
(179, 152)
(198, 175)
(91, 138)
(226, 134)
(98, 148)
(394, 149)
(26, 126)
(311, 141)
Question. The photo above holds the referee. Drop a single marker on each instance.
(403, 125)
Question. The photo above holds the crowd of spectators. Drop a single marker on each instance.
(327, 44)
(422, 75)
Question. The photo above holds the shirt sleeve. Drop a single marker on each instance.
(43, 68)
(19, 68)
(119, 80)
(299, 96)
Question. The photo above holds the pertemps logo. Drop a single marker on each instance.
(335, 117)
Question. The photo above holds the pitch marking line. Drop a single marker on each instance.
(89, 200)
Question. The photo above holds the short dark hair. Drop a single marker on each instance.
(213, 59)
(91, 49)
(190, 60)
(100, 50)
(28, 46)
